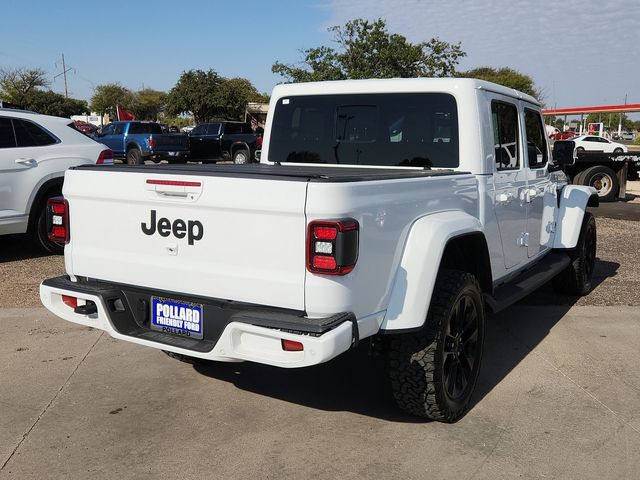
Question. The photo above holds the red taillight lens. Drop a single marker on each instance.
(105, 157)
(332, 246)
(259, 142)
(325, 233)
(292, 346)
(151, 143)
(70, 301)
(58, 220)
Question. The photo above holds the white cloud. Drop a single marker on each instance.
(578, 52)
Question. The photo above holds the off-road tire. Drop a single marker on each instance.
(421, 363)
(577, 278)
(241, 156)
(185, 358)
(134, 157)
(40, 232)
(603, 179)
(578, 178)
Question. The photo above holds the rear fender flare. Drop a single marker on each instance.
(239, 146)
(131, 145)
(574, 200)
(416, 275)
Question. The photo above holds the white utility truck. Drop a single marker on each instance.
(397, 210)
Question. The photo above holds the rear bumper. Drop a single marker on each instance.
(168, 155)
(232, 331)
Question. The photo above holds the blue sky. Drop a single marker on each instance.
(579, 54)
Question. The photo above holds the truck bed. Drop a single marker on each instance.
(311, 173)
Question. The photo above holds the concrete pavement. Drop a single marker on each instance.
(558, 397)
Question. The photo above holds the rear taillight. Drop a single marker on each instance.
(332, 246)
(70, 301)
(259, 142)
(151, 143)
(105, 157)
(291, 346)
(58, 220)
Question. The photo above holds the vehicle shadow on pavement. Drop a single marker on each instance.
(19, 247)
(357, 381)
(513, 333)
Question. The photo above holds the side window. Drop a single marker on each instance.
(200, 129)
(29, 134)
(536, 145)
(213, 128)
(505, 135)
(233, 128)
(109, 129)
(118, 129)
(7, 139)
(153, 128)
(135, 127)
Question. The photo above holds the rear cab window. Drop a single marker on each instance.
(399, 130)
(142, 127)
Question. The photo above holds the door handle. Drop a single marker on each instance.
(505, 197)
(530, 194)
(29, 162)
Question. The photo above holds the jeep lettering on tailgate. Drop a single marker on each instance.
(192, 229)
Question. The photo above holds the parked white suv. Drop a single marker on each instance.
(35, 151)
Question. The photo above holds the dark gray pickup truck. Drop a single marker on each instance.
(214, 141)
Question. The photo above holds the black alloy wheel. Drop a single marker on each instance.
(461, 350)
(433, 372)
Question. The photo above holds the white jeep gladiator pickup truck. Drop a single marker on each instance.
(398, 210)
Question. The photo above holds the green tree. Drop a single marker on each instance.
(148, 104)
(368, 50)
(196, 92)
(233, 96)
(17, 84)
(207, 95)
(507, 77)
(52, 103)
(107, 97)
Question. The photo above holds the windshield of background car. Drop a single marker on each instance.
(406, 129)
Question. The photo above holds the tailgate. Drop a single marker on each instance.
(236, 238)
(171, 142)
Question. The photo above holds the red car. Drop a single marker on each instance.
(84, 127)
(564, 135)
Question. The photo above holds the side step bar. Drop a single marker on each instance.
(509, 293)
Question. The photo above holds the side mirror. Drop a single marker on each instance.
(563, 152)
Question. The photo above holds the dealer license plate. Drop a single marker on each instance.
(176, 317)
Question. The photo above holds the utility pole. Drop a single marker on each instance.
(64, 73)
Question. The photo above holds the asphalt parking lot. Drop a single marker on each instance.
(558, 396)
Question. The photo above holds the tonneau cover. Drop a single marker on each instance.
(311, 173)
